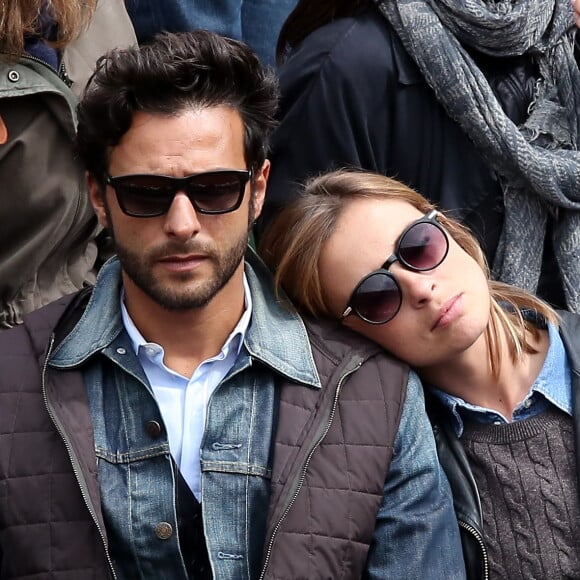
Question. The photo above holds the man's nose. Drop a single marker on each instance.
(181, 220)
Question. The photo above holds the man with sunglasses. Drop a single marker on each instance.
(177, 420)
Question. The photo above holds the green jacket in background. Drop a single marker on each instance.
(47, 236)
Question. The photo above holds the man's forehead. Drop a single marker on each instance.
(189, 141)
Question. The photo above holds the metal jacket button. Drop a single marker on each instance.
(153, 428)
(163, 530)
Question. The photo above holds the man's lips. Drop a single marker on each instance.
(182, 261)
(449, 311)
(182, 257)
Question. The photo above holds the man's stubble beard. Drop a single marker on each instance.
(139, 269)
(173, 295)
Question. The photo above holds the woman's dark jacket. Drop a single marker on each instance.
(455, 463)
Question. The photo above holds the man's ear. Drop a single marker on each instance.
(259, 188)
(97, 197)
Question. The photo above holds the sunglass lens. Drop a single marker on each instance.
(423, 247)
(144, 195)
(217, 192)
(377, 298)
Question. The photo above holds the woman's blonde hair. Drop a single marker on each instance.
(19, 18)
(293, 242)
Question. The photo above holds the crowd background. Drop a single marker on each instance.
(475, 105)
(49, 233)
(256, 22)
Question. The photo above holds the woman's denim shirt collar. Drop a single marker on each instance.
(276, 335)
(553, 386)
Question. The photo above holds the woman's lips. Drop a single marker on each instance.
(449, 311)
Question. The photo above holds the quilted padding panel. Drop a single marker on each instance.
(46, 530)
(338, 483)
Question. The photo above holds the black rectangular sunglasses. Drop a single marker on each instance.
(214, 192)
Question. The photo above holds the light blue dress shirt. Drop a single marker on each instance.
(553, 386)
(183, 400)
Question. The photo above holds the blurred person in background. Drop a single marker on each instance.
(256, 22)
(474, 104)
(48, 232)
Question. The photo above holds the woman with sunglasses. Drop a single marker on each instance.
(501, 368)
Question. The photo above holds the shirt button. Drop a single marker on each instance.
(153, 428)
(121, 350)
(497, 422)
(13, 76)
(163, 530)
(527, 403)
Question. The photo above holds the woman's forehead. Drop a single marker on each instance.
(374, 221)
(364, 236)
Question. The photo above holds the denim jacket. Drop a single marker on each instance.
(416, 534)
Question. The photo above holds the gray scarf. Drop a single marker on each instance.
(538, 162)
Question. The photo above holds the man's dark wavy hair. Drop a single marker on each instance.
(173, 73)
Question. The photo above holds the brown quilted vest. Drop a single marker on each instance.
(332, 453)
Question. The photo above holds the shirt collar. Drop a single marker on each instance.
(234, 340)
(555, 380)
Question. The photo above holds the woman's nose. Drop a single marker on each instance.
(417, 287)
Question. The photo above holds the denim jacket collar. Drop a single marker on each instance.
(289, 355)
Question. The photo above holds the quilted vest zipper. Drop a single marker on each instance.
(71, 455)
(306, 464)
(479, 539)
